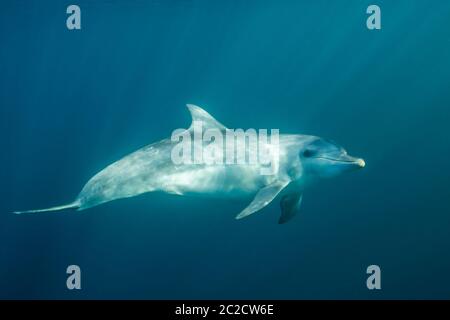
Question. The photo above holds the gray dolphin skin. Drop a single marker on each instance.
(302, 160)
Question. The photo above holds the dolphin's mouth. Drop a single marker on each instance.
(349, 160)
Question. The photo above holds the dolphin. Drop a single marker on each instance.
(302, 160)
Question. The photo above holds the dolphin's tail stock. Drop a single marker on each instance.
(73, 205)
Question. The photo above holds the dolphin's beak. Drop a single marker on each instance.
(347, 161)
(358, 162)
(361, 163)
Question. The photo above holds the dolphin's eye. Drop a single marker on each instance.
(309, 153)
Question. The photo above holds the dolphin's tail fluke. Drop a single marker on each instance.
(73, 205)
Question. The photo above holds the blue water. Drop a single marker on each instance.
(72, 102)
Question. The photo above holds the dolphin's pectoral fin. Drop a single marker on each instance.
(263, 198)
(207, 120)
(290, 205)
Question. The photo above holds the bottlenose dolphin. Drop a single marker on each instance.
(302, 159)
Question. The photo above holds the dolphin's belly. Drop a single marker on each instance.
(224, 180)
(151, 169)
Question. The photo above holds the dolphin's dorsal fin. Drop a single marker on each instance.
(290, 205)
(263, 198)
(208, 122)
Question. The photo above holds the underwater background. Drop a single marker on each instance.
(74, 101)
